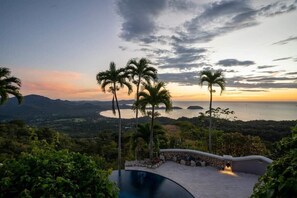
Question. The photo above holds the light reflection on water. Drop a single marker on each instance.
(243, 110)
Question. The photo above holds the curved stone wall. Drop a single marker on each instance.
(254, 164)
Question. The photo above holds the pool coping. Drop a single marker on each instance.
(162, 176)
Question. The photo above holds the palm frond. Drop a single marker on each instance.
(213, 78)
(9, 85)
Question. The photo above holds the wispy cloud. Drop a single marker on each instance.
(218, 18)
(185, 78)
(285, 41)
(256, 82)
(277, 8)
(254, 90)
(235, 62)
(281, 59)
(123, 48)
(291, 73)
(266, 66)
(183, 57)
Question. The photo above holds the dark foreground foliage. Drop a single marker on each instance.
(46, 172)
(280, 180)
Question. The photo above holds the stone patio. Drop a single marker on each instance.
(206, 182)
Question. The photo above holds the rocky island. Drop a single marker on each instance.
(195, 107)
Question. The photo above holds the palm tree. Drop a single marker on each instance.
(153, 95)
(142, 135)
(115, 79)
(212, 78)
(140, 71)
(9, 85)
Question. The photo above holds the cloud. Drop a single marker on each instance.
(282, 42)
(258, 82)
(56, 87)
(123, 48)
(262, 82)
(235, 62)
(188, 50)
(254, 90)
(281, 59)
(272, 72)
(277, 8)
(183, 57)
(221, 17)
(225, 70)
(48, 75)
(185, 78)
(181, 5)
(266, 66)
(263, 85)
(217, 19)
(268, 79)
(291, 73)
(182, 66)
(153, 51)
(139, 18)
(188, 58)
(50, 83)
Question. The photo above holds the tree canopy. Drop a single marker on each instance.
(9, 85)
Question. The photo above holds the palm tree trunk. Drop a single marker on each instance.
(120, 133)
(152, 134)
(137, 98)
(210, 121)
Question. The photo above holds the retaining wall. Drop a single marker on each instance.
(254, 164)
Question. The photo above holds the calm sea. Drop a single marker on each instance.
(243, 110)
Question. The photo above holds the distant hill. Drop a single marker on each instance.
(40, 107)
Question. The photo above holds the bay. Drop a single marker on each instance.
(243, 110)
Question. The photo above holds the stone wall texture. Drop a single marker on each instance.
(254, 164)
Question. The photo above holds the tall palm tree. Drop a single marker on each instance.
(9, 85)
(212, 78)
(140, 71)
(153, 95)
(115, 79)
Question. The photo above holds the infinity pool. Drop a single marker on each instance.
(134, 184)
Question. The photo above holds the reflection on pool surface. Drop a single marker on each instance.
(144, 184)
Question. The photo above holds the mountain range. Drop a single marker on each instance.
(40, 107)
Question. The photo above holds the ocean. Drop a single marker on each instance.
(243, 110)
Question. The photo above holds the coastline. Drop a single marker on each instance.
(244, 111)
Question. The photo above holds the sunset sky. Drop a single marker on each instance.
(56, 47)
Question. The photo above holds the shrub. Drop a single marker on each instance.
(280, 179)
(50, 173)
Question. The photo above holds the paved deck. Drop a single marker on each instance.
(206, 182)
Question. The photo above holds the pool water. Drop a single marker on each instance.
(144, 184)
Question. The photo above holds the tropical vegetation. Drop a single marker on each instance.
(115, 79)
(140, 72)
(9, 85)
(152, 96)
(141, 139)
(280, 179)
(212, 79)
(45, 172)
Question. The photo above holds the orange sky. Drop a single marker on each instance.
(76, 86)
